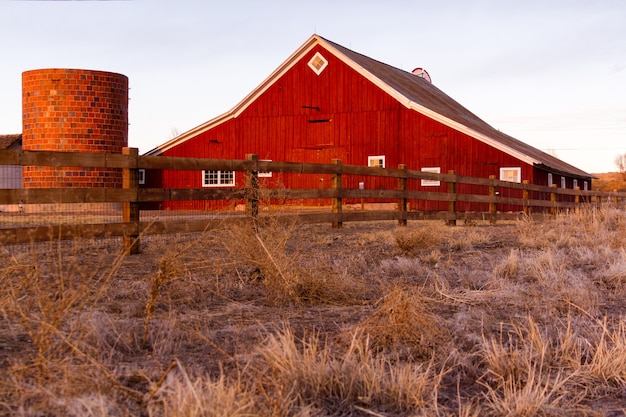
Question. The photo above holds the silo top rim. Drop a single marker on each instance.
(72, 70)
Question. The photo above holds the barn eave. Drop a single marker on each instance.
(557, 171)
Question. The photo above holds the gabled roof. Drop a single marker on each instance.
(8, 141)
(410, 90)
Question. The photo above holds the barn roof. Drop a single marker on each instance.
(6, 141)
(412, 91)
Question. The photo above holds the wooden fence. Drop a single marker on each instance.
(130, 226)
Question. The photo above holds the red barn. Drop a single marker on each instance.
(327, 101)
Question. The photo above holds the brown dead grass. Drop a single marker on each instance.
(517, 319)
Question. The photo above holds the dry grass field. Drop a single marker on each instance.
(610, 182)
(516, 319)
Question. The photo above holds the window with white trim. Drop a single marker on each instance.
(574, 184)
(563, 183)
(218, 178)
(511, 174)
(265, 174)
(141, 174)
(431, 183)
(377, 161)
(318, 63)
(550, 181)
(585, 186)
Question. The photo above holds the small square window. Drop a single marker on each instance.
(218, 178)
(431, 183)
(266, 174)
(142, 176)
(318, 63)
(377, 161)
(511, 174)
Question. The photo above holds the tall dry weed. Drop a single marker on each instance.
(588, 227)
(605, 363)
(182, 395)
(51, 298)
(546, 281)
(524, 375)
(269, 256)
(308, 373)
(44, 296)
(553, 369)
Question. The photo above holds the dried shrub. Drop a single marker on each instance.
(278, 264)
(403, 324)
(414, 240)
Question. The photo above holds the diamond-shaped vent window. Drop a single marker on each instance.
(318, 63)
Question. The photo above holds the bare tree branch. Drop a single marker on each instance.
(620, 161)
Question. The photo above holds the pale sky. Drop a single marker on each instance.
(551, 73)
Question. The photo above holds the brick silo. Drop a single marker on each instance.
(74, 110)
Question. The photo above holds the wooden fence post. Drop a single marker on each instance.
(335, 182)
(452, 203)
(553, 201)
(577, 201)
(402, 202)
(593, 201)
(130, 209)
(526, 197)
(493, 208)
(252, 189)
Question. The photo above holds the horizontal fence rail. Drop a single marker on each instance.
(129, 225)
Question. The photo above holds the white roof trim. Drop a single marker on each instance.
(291, 61)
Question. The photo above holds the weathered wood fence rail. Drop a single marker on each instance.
(131, 195)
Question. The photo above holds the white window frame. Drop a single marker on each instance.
(585, 186)
(563, 182)
(267, 174)
(431, 183)
(318, 63)
(505, 177)
(378, 159)
(224, 178)
(550, 179)
(574, 183)
(141, 174)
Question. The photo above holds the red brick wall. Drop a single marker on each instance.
(74, 110)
